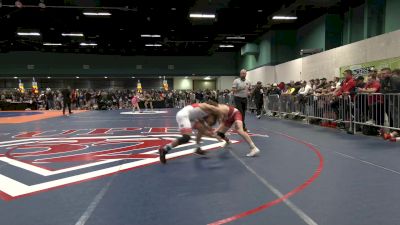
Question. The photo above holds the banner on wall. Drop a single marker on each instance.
(165, 84)
(35, 88)
(21, 87)
(139, 87)
(363, 68)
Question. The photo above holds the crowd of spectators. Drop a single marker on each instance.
(369, 103)
(89, 99)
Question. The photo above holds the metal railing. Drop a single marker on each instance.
(362, 109)
(377, 110)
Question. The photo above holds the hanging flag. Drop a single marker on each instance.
(21, 87)
(35, 88)
(165, 84)
(139, 87)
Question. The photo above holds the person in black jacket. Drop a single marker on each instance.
(391, 85)
(66, 93)
(258, 95)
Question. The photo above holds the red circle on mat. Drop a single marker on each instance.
(295, 191)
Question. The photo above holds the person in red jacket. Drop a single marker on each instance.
(343, 92)
(347, 85)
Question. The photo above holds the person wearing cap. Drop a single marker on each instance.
(241, 90)
(258, 95)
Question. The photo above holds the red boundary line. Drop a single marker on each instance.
(295, 191)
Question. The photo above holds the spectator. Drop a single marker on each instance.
(66, 93)
(375, 101)
(258, 95)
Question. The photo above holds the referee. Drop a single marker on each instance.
(241, 90)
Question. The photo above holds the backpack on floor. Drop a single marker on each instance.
(370, 130)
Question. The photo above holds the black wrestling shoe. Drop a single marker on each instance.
(199, 151)
(162, 153)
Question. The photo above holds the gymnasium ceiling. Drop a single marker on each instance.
(121, 32)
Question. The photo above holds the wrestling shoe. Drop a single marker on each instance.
(162, 152)
(253, 152)
(198, 151)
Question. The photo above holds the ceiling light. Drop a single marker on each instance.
(226, 46)
(207, 78)
(72, 34)
(260, 10)
(173, 9)
(48, 77)
(236, 38)
(205, 16)
(52, 44)
(284, 18)
(97, 14)
(106, 77)
(77, 77)
(186, 77)
(133, 77)
(18, 4)
(88, 44)
(153, 45)
(28, 34)
(151, 35)
(15, 77)
(41, 4)
(160, 77)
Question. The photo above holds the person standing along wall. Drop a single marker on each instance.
(258, 95)
(241, 88)
(66, 93)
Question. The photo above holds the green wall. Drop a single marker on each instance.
(15, 63)
(357, 24)
(392, 15)
(346, 29)
(283, 46)
(333, 31)
(311, 35)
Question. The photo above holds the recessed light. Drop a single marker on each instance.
(186, 77)
(15, 77)
(52, 44)
(202, 16)
(133, 77)
(173, 9)
(72, 34)
(153, 45)
(48, 77)
(97, 14)
(284, 18)
(226, 46)
(28, 34)
(88, 44)
(260, 10)
(235, 38)
(77, 77)
(106, 77)
(160, 77)
(150, 35)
